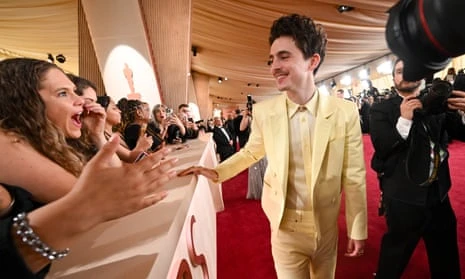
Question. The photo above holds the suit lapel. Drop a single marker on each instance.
(396, 108)
(323, 126)
(278, 121)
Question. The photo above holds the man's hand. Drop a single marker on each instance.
(208, 173)
(457, 100)
(355, 248)
(408, 105)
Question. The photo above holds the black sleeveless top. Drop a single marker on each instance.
(11, 263)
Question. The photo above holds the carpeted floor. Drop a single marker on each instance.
(244, 249)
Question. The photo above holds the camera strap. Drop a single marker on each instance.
(434, 171)
(434, 154)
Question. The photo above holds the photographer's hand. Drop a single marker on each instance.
(408, 106)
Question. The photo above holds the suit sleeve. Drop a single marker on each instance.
(354, 181)
(218, 138)
(455, 126)
(384, 135)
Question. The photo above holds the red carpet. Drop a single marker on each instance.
(244, 249)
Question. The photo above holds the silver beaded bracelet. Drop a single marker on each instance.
(27, 235)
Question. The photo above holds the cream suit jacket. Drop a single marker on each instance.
(337, 162)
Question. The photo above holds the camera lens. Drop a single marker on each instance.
(425, 35)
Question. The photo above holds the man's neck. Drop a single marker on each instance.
(404, 94)
(303, 96)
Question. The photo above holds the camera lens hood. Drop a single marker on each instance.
(425, 34)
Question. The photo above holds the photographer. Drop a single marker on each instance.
(411, 161)
(242, 126)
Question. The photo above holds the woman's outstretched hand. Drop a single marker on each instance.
(112, 192)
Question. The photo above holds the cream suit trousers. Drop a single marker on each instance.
(298, 253)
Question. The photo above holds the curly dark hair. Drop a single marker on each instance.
(308, 36)
(128, 110)
(23, 112)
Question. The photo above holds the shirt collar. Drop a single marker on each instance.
(311, 105)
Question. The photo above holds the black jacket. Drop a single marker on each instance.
(403, 164)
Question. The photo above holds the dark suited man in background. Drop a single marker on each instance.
(223, 139)
(365, 113)
(415, 183)
(229, 124)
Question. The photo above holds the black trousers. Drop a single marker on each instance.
(407, 224)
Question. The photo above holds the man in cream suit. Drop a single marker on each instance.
(314, 148)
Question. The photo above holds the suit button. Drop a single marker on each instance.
(333, 200)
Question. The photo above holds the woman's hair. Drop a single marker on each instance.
(81, 84)
(156, 109)
(104, 101)
(128, 110)
(23, 112)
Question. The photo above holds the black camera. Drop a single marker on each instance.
(61, 58)
(249, 103)
(426, 34)
(434, 98)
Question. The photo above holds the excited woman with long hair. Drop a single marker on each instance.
(55, 198)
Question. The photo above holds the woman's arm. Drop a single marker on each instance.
(245, 122)
(174, 119)
(143, 144)
(94, 120)
(131, 186)
(128, 156)
(6, 202)
(23, 166)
